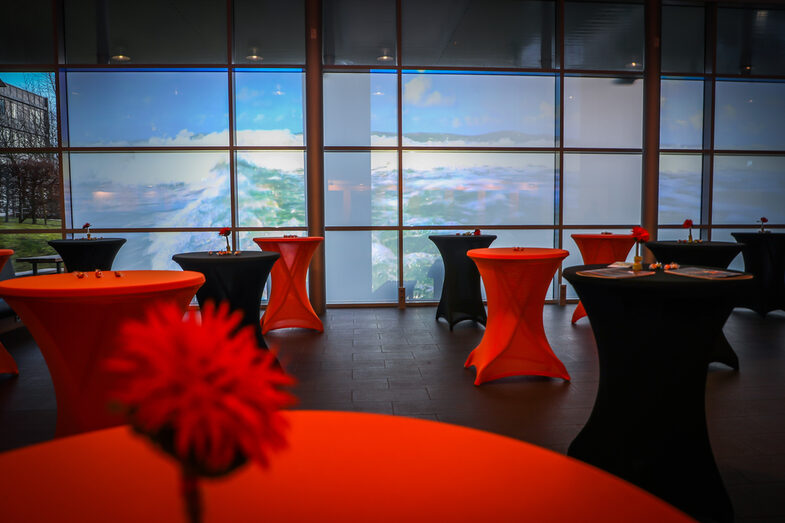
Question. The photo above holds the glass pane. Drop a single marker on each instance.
(30, 195)
(603, 112)
(575, 257)
(146, 108)
(150, 189)
(271, 189)
(154, 250)
(680, 188)
(478, 110)
(145, 32)
(28, 110)
(602, 189)
(362, 267)
(361, 188)
(748, 187)
(682, 39)
(360, 109)
(472, 188)
(603, 36)
(750, 41)
(743, 116)
(359, 32)
(269, 107)
(479, 33)
(29, 244)
(26, 32)
(269, 32)
(681, 114)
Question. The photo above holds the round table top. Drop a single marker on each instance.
(339, 466)
(729, 245)
(240, 257)
(752, 235)
(511, 253)
(460, 236)
(295, 239)
(600, 236)
(6, 252)
(85, 241)
(110, 284)
(661, 279)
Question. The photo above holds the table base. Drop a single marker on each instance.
(7, 363)
(456, 317)
(579, 313)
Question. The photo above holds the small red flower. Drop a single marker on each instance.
(640, 234)
(763, 219)
(687, 224)
(205, 393)
(86, 225)
(225, 231)
(477, 232)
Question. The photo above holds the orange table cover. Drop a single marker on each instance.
(288, 305)
(339, 466)
(7, 363)
(514, 343)
(75, 322)
(601, 248)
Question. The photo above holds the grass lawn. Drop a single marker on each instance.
(33, 244)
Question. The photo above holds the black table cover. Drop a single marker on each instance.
(764, 256)
(461, 294)
(654, 335)
(705, 254)
(88, 255)
(238, 279)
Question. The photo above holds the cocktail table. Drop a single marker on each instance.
(88, 255)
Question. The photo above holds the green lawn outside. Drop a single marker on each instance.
(33, 244)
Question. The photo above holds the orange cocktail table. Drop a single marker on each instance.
(114, 475)
(76, 322)
(601, 248)
(7, 363)
(514, 342)
(288, 305)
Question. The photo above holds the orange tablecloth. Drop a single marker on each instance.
(340, 466)
(514, 342)
(7, 363)
(76, 321)
(601, 248)
(288, 305)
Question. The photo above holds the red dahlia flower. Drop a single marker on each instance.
(86, 225)
(686, 224)
(205, 393)
(225, 231)
(640, 234)
(763, 219)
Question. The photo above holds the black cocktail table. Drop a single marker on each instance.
(461, 295)
(654, 335)
(704, 254)
(238, 279)
(88, 255)
(764, 256)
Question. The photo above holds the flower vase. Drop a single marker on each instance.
(689, 238)
(637, 261)
(228, 248)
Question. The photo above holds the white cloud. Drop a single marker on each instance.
(417, 92)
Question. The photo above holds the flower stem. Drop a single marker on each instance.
(189, 483)
(228, 249)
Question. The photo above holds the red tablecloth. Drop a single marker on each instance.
(340, 466)
(7, 363)
(514, 343)
(288, 305)
(601, 248)
(76, 321)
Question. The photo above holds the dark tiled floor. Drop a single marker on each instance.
(404, 363)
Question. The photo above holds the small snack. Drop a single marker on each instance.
(118, 274)
(79, 274)
(99, 273)
(517, 248)
(654, 266)
(671, 266)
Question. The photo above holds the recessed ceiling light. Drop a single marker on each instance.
(254, 55)
(385, 56)
(121, 58)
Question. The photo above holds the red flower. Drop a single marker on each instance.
(207, 396)
(477, 232)
(225, 231)
(687, 224)
(86, 225)
(763, 219)
(640, 234)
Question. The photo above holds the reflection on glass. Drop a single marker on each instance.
(154, 250)
(575, 257)
(148, 108)
(145, 32)
(478, 110)
(602, 189)
(271, 189)
(682, 39)
(360, 32)
(269, 107)
(680, 188)
(444, 188)
(26, 33)
(681, 114)
(603, 36)
(29, 192)
(360, 109)
(28, 110)
(361, 188)
(362, 267)
(269, 32)
(481, 33)
(744, 116)
(748, 187)
(603, 112)
(750, 41)
(151, 189)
